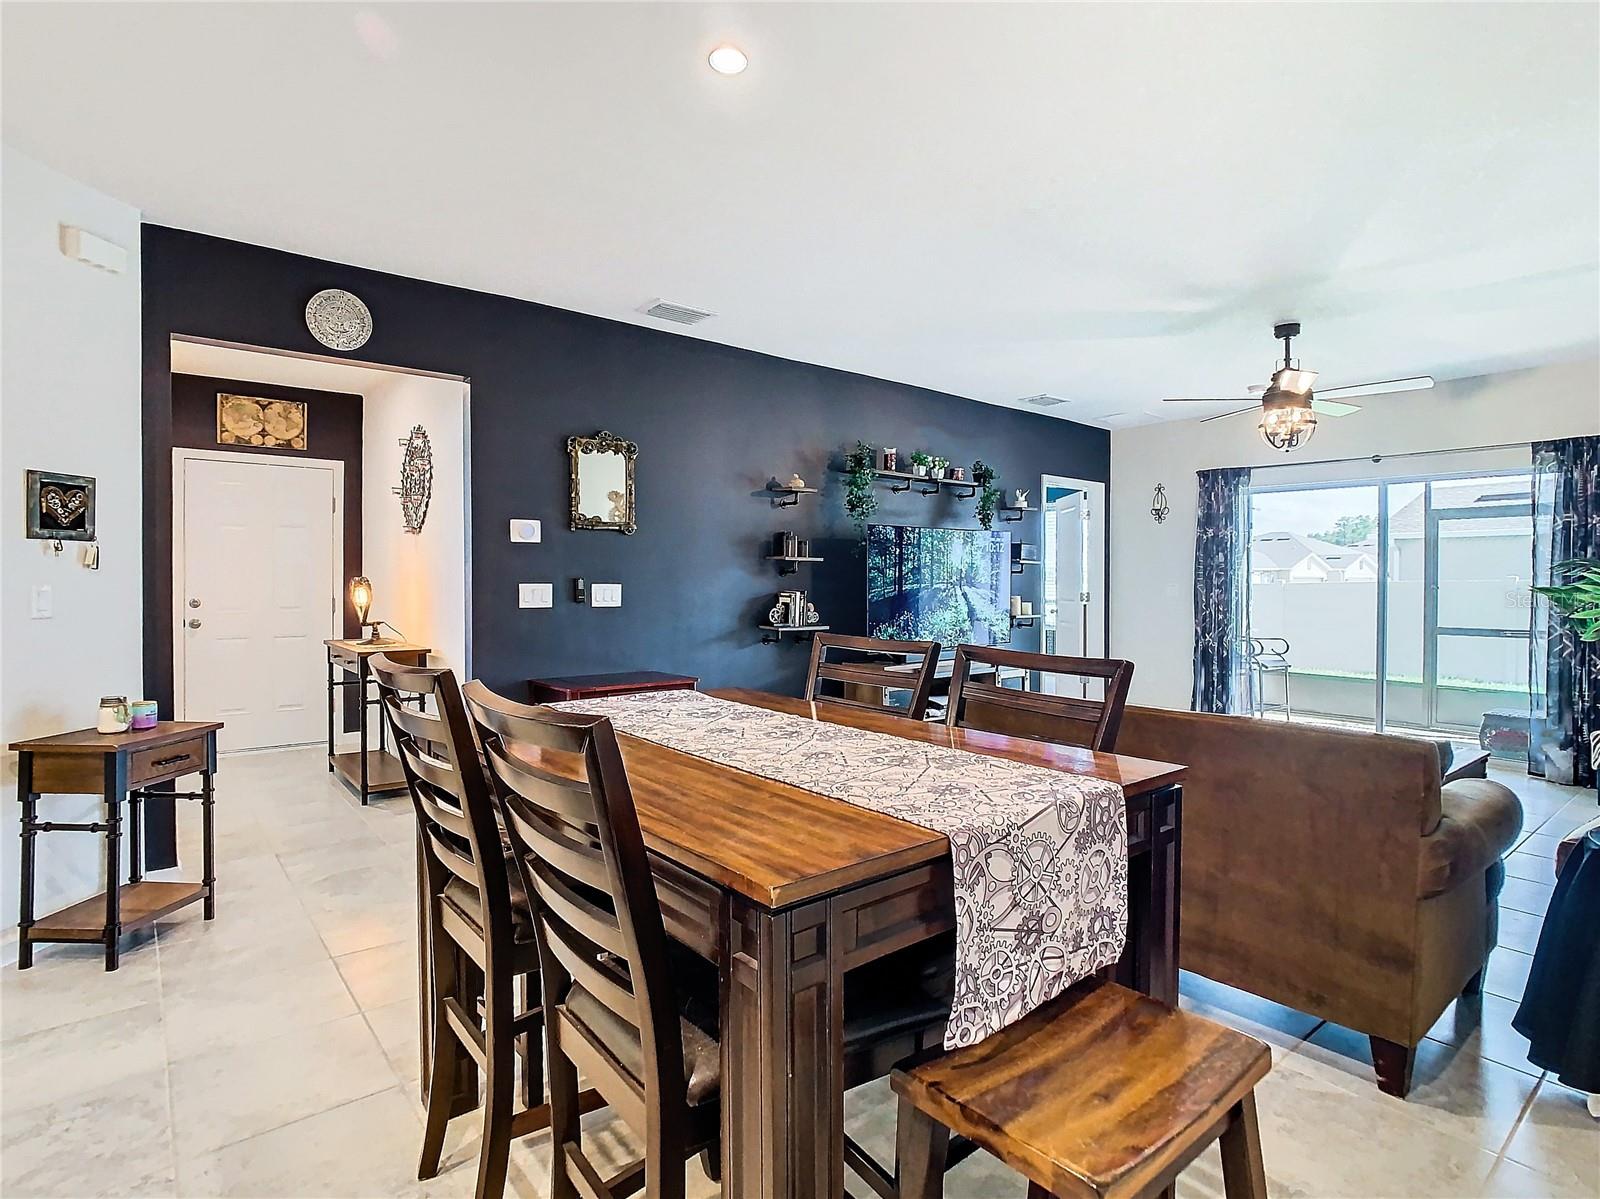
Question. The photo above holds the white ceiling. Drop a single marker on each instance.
(1109, 203)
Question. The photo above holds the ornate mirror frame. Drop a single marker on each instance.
(603, 443)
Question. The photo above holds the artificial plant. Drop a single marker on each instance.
(1578, 598)
(988, 494)
(860, 495)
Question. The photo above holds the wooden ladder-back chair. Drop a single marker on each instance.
(859, 671)
(477, 933)
(1063, 719)
(614, 1010)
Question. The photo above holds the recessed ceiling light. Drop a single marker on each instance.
(728, 60)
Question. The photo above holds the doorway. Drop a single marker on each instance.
(1073, 519)
(257, 558)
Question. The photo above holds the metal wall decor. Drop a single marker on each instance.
(252, 420)
(602, 482)
(416, 478)
(338, 319)
(60, 507)
(1158, 504)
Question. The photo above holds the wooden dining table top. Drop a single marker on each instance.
(778, 844)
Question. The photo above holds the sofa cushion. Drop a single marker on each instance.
(1478, 822)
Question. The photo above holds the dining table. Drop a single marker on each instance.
(787, 890)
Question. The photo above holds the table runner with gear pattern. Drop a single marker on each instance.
(1040, 856)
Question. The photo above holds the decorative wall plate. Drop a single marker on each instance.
(416, 479)
(338, 319)
(252, 420)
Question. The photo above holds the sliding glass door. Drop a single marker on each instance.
(1403, 603)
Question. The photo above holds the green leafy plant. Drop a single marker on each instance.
(937, 466)
(860, 494)
(1578, 598)
(919, 458)
(988, 494)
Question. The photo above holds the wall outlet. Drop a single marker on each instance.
(523, 529)
(535, 595)
(41, 606)
(606, 595)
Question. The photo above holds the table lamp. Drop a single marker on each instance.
(361, 600)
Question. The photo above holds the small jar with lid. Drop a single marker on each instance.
(114, 714)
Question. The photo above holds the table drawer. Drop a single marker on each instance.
(165, 762)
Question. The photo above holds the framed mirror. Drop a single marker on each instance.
(602, 482)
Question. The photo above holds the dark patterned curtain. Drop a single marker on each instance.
(1221, 595)
(1564, 672)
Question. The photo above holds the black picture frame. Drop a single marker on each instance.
(52, 507)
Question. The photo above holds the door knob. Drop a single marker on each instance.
(194, 624)
(194, 603)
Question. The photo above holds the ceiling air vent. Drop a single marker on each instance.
(676, 313)
(1043, 400)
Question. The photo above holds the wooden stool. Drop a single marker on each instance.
(1101, 1094)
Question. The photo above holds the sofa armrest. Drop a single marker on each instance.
(1479, 821)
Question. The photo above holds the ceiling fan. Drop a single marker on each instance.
(1288, 408)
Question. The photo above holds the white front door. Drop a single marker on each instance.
(257, 594)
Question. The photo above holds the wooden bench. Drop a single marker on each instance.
(1101, 1094)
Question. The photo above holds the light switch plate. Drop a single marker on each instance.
(523, 529)
(40, 604)
(606, 595)
(535, 595)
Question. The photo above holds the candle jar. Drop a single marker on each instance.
(114, 715)
(142, 713)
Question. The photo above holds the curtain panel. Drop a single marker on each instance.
(1221, 594)
(1564, 672)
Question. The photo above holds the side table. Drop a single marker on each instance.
(117, 767)
(366, 771)
(591, 686)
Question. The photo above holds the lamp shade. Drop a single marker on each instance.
(361, 597)
(1287, 419)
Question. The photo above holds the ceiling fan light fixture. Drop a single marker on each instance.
(1287, 419)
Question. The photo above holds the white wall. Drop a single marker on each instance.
(1152, 566)
(418, 579)
(69, 401)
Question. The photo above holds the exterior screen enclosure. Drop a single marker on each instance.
(945, 585)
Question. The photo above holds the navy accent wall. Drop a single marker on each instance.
(713, 424)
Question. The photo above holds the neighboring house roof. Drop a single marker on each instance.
(1287, 551)
(1470, 493)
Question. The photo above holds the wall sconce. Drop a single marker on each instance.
(1159, 508)
(361, 600)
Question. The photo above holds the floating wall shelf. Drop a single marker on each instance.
(1023, 622)
(778, 491)
(1008, 513)
(787, 565)
(774, 632)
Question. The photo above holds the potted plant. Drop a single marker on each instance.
(1578, 598)
(920, 463)
(860, 497)
(937, 466)
(988, 494)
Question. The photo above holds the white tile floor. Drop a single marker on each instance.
(273, 1051)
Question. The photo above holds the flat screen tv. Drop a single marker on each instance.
(945, 585)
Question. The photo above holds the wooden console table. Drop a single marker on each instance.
(117, 767)
(592, 686)
(366, 771)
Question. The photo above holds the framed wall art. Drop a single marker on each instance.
(60, 507)
(254, 421)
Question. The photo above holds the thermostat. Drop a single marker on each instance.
(523, 529)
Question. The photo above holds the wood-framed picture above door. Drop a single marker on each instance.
(258, 558)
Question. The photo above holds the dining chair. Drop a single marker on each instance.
(1065, 719)
(867, 667)
(477, 930)
(609, 985)
(1102, 1093)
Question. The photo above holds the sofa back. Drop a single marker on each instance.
(1300, 857)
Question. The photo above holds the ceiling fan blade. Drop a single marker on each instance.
(1333, 407)
(1210, 400)
(1383, 387)
(1226, 415)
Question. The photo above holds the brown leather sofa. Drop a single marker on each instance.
(1331, 872)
